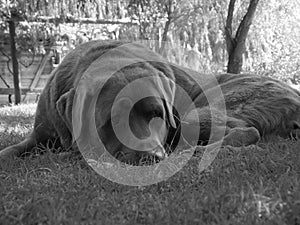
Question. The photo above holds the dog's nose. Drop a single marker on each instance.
(159, 152)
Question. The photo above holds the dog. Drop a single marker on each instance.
(256, 108)
(111, 65)
(135, 100)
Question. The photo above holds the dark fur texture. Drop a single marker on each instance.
(256, 106)
(53, 121)
(267, 105)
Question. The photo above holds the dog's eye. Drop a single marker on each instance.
(154, 113)
(157, 113)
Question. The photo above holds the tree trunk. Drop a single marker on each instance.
(236, 45)
(164, 36)
(235, 58)
(15, 64)
(164, 39)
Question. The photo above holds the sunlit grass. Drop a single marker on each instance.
(16, 122)
(253, 185)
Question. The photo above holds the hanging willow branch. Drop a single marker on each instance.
(8, 61)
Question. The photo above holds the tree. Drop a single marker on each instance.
(12, 12)
(12, 32)
(236, 43)
(169, 8)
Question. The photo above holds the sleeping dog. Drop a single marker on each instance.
(133, 101)
(96, 73)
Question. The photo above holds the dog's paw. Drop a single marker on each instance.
(241, 136)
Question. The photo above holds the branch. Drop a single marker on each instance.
(228, 28)
(186, 14)
(230, 17)
(8, 60)
(4, 81)
(82, 20)
(244, 27)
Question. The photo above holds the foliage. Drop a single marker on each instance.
(193, 30)
(36, 37)
(196, 35)
(188, 35)
(274, 42)
(151, 15)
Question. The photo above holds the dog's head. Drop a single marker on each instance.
(130, 123)
(134, 114)
(141, 134)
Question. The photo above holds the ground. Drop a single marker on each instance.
(254, 185)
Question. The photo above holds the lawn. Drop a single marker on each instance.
(253, 185)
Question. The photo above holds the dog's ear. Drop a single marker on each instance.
(119, 107)
(167, 88)
(64, 107)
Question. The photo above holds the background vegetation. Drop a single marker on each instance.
(194, 30)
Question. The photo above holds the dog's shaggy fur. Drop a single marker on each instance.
(256, 106)
(90, 63)
(263, 104)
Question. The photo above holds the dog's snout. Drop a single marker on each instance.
(159, 152)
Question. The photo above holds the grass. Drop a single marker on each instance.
(254, 185)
